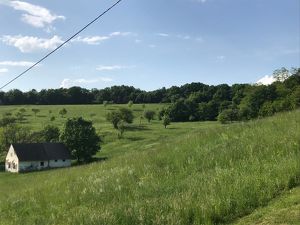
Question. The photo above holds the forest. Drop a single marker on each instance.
(190, 102)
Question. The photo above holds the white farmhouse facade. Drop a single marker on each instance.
(32, 157)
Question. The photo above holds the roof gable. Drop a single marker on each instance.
(41, 151)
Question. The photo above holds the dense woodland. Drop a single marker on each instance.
(190, 102)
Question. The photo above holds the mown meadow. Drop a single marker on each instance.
(189, 173)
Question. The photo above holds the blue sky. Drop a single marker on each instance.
(147, 43)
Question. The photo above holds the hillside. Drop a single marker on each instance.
(191, 173)
(283, 210)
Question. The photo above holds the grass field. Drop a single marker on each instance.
(190, 173)
(283, 210)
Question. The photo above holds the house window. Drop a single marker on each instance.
(11, 154)
(8, 165)
(42, 163)
(55, 160)
(64, 160)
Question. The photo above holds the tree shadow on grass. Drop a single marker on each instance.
(134, 138)
(138, 110)
(137, 128)
(93, 160)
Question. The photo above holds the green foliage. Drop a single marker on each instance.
(35, 111)
(14, 134)
(149, 115)
(228, 115)
(22, 110)
(281, 74)
(7, 121)
(20, 116)
(105, 103)
(122, 114)
(80, 137)
(51, 133)
(166, 120)
(121, 128)
(63, 112)
(130, 104)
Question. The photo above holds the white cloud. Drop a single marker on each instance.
(118, 33)
(91, 40)
(163, 34)
(16, 63)
(32, 44)
(221, 58)
(266, 80)
(34, 15)
(96, 40)
(152, 46)
(3, 70)
(112, 67)
(67, 83)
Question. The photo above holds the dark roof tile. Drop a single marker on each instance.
(41, 151)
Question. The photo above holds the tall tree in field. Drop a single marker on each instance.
(166, 120)
(130, 104)
(80, 137)
(120, 118)
(63, 112)
(51, 133)
(149, 115)
(35, 111)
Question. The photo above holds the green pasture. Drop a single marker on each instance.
(189, 173)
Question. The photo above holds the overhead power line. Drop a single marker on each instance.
(61, 45)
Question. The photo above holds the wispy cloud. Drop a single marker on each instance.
(163, 34)
(96, 40)
(112, 67)
(119, 33)
(36, 16)
(32, 44)
(3, 70)
(91, 40)
(16, 63)
(266, 80)
(67, 83)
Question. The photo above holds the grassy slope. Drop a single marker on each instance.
(284, 210)
(190, 174)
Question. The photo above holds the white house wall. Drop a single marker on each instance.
(31, 166)
(11, 161)
(60, 163)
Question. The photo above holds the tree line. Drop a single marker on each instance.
(190, 102)
(239, 101)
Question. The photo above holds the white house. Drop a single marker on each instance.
(31, 157)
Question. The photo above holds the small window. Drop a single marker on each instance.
(42, 163)
(64, 160)
(9, 165)
(55, 160)
(11, 154)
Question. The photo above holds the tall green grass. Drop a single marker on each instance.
(211, 175)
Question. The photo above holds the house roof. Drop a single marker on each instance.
(41, 151)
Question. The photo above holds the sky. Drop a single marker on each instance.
(148, 44)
